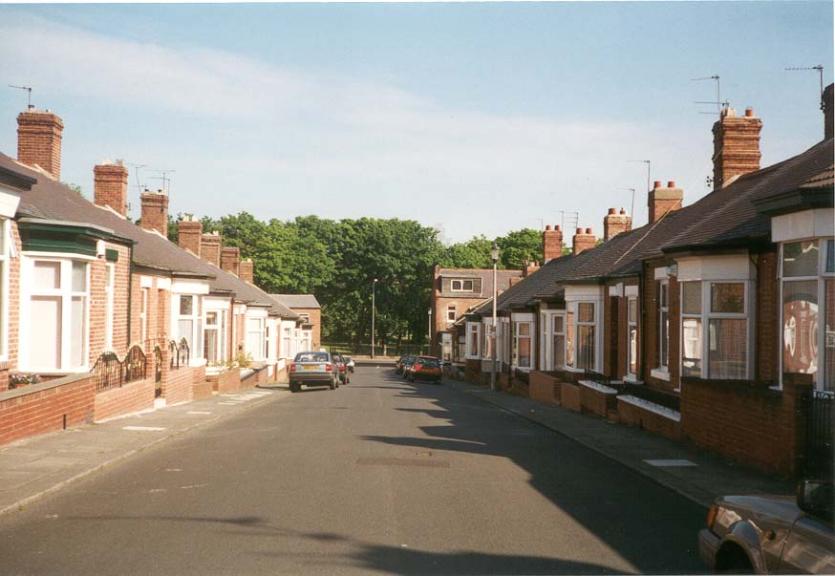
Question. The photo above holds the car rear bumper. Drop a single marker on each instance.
(708, 546)
(312, 378)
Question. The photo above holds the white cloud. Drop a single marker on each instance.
(392, 152)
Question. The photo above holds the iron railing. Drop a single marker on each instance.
(816, 449)
(178, 353)
(157, 372)
(109, 372)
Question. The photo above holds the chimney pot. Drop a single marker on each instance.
(749, 112)
(548, 227)
(671, 184)
(556, 227)
(657, 184)
(612, 211)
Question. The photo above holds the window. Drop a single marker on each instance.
(558, 336)
(286, 339)
(808, 311)
(461, 285)
(632, 335)
(473, 339)
(721, 308)
(143, 317)
(450, 313)
(189, 323)
(663, 346)
(214, 337)
(58, 307)
(487, 344)
(109, 292)
(585, 336)
(522, 345)
(255, 337)
(570, 340)
(305, 317)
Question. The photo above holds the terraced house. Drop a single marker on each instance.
(714, 322)
(101, 316)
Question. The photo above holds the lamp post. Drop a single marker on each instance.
(494, 255)
(429, 331)
(373, 314)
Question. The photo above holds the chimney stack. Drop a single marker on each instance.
(210, 248)
(155, 211)
(189, 232)
(736, 146)
(826, 105)
(247, 269)
(583, 240)
(662, 201)
(615, 223)
(551, 243)
(110, 182)
(39, 140)
(230, 258)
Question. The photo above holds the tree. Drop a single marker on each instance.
(520, 247)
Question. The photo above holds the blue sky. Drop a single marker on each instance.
(474, 118)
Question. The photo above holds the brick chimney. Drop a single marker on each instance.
(230, 258)
(39, 140)
(583, 240)
(662, 201)
(155, 211)
(189, 234)
(110, 181)
(247, 268)
(529, 268)
(551, 243)
(616, 222)
(826, 105)
(736, 145)
(210, 248)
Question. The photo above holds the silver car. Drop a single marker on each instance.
(313, 369)
(771, 534)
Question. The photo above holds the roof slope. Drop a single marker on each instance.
(503, 277)
(297, 300)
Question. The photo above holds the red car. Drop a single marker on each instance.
(426, 368)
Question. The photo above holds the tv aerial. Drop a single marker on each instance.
(818, 69)
(28, 94)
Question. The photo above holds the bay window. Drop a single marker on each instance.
(189, 323)
(522, 344)
(214, 337)
(663, 345)
(691, 329)
(632, 336)
(807, 268)
(255, 337)
(58, 308)
(552, 340)
(585, 336)
(473, 339)
(570, 338)
(487, 342)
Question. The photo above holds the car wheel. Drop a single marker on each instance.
(294, 387)
(333, 385)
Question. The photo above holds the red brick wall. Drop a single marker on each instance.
(189, 235)
(748, 423)
(226, 381)
(13, 310)
(210, 248)
(111, 187)
(177, 384)
(155, 212)
(41, 408)
(767, 316)
(128, 399)
(230, 257)
(315, 315)
(632, 415)
(611, 348)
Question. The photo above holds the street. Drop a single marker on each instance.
(378, 476)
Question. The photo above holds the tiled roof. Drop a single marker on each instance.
(297, 300)
(52, 200)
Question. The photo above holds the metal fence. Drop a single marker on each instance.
(109, 372)
(816, 450)
(157, 371)
(178, 353)
(394, 349)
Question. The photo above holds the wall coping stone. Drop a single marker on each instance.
(651, 407)
(597, 386)
(35, 388)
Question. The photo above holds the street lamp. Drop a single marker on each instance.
(494, 255)
(429, 331)
(373, 314)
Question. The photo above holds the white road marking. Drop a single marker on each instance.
(143, 428)
(672, 463)
(198, 412)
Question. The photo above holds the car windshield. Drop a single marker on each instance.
(312, 357)
(433, 362)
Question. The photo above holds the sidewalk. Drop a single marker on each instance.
(696, 475)
(37, 466)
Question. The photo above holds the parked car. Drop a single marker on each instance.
(408, 362)
(426, 368)
(350, 362)
(401, 363)
(771, 534)
(341, 368)
(313, 369)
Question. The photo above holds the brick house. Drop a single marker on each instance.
(306, 306)
(456, 290)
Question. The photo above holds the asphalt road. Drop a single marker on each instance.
(377, 476)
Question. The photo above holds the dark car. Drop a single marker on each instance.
(401, 363)
(341, 368)
(426, 368)
(771, 534)
(408, 361)
(313, 369)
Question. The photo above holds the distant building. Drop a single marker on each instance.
(310, 313)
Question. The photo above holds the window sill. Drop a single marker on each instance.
(632, 379)
(573, 370)
(661, 374)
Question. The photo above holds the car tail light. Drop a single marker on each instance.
(293, 367)
(328, 367)
(711, 515)
(417, 367)
(342, 367)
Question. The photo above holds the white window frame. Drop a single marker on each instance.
(594, 324)
(145, 303)
(109, 295)
(451, 308)
(196, 316)
(630, 323)
(547, 335)
(473, 327)
(66, 294)
(257, 350)
(820, 278)
(461, 285)
(663, 364)
(517, 320)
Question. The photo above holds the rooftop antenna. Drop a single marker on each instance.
(718, 101)
(166, 181)
(632, 211)
(649, 178)
(573, 218)
(137, 168)
(28, 96)
(819, 69)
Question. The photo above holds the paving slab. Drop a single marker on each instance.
(709, 477)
